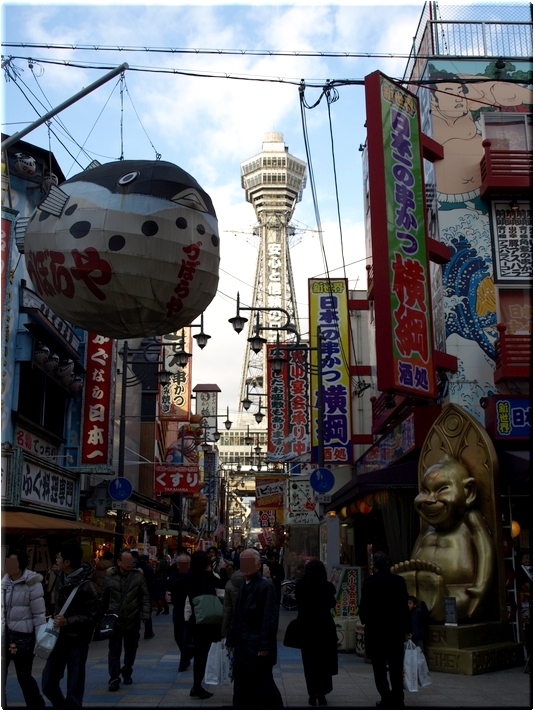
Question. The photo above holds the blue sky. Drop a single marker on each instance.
(208, 126)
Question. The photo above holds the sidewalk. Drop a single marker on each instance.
(158, 684)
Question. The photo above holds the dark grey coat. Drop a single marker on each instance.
(136, 605)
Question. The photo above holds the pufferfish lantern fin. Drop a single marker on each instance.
(21, 226)
(54, 202)
(93, 164)
(190, 198)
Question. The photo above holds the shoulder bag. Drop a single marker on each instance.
(208, 609)
(47, 635)
(292, 636)
(107, 624)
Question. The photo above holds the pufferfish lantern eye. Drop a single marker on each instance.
(128, 178)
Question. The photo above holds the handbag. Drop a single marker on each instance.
(208, 609)
(292, 636)
(109, 619)
(410, 667)
(47, 635)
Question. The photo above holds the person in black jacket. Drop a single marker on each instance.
(126, 595)
(76, 628)
(202, 581)
(315, 598)
(177, 583)
(253, 637)
(276, 571)
(418, 618)
(384, 611)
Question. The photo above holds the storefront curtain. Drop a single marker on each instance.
(401, 523)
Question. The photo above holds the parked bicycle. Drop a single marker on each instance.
(288, 600)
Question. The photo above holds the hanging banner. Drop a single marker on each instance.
(98, 409)
(174, 397)
(400, 263)
(288, 406)
(4, 257)
(328, 308)
(269, 492)
(176, 478)
(301, 507)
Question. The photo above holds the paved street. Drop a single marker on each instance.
(158, 685)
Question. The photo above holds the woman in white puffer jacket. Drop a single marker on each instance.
(23, 612)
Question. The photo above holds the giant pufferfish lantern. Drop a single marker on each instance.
(126, 249)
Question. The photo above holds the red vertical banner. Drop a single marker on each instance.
(288, 405)
(97, 399)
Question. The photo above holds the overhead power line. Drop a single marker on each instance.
(197, 51)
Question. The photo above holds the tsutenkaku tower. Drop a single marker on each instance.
(273, 181)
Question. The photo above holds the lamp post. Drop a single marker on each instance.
(163, 378)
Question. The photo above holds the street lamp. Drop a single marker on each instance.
(238, 322)
(163, 378)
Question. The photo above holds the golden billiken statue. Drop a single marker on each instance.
(454, 555)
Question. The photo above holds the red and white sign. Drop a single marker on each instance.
(97, 406)
(289, 412)
(269, 492)
(177, 478)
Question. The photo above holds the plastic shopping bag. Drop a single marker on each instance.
(410, 667)
(212, 674)
(424, 678)
(46, 639)
(227, 665)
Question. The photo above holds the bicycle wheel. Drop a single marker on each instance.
(288, 596)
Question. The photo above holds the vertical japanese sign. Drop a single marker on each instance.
(328, 306)
(97, 399)
(400, 264)
(174, 397)
(288, 406)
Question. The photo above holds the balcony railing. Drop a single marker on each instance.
(508, 172)
(513, 355)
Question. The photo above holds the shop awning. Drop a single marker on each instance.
(404, 475)
(41, 523)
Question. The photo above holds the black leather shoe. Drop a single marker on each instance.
(312, 701)
(322, 701)
(114, 685)
(147, 637)
(202, 693)
(127, 680)
(183, 666)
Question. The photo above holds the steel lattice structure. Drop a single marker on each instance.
(273, 181)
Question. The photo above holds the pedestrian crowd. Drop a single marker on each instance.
(232, 601)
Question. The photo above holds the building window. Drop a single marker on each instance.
(41, 400)
(509, 131)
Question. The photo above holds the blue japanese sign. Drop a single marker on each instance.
(120, 489)
(513, 417)
(322, 480)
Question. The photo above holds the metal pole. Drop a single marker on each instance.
(122, 448)
(321, 406)
(43, 119)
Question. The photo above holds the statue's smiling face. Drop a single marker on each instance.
(443, 499)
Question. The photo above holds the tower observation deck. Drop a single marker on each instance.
(273, 181)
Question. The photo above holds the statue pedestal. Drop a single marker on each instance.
(472, 649)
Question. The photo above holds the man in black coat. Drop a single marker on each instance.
(384, 611)
(75, 628)
(253, 637)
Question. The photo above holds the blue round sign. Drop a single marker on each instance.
(322, 480)
(120, 489)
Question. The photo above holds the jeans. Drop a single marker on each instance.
(131, 639)
(74, 659)
(28, 685)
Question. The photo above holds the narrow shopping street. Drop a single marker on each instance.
(158, 685)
